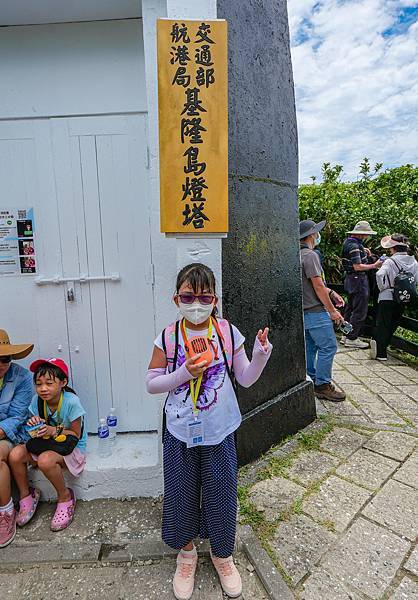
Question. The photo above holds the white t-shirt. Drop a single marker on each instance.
(219, 410)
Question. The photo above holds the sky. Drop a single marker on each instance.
(355, 66)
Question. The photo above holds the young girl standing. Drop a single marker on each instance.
(61, 417)
(195, 360)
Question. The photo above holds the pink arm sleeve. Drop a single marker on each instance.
(158, 381)
(247, 372)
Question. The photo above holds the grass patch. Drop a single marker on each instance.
(312, 440)
(329, 525)
(405, 357)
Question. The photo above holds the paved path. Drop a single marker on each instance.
(385, 393)
(127, 581)
(337, 507)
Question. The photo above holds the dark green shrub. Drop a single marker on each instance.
(388, 200)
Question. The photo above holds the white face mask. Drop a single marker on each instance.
(318, 239)
(196, 313)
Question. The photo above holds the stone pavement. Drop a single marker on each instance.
(384, 393)
(112, 548)
(336, 507)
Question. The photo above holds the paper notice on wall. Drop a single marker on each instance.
(17, 245)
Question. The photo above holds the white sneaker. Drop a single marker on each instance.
(357, 343)
(373, 349)
(343, 340)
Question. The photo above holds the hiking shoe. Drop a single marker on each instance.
(373, 349)
(357, 343)
(183, 581)
(327, 391)
(7, 527)
(228, 575)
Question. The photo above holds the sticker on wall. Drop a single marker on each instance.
(17, 245)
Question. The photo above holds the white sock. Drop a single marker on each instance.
(9, 507)
(189, 552)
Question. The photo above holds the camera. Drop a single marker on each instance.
(345, 327)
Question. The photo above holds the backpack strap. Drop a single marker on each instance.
(170, 350)
(41, 409)
(226, 342)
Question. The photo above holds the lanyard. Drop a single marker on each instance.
(195, 385)
(58, 411)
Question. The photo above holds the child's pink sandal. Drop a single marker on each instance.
(28, 506)
(64, 513)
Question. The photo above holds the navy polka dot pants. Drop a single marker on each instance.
(200, 494)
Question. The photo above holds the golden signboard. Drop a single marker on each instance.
(193, 125)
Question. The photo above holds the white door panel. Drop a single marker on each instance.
(86, 179)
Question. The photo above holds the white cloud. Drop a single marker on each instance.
(356, 79)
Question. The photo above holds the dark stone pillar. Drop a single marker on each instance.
(261, 271)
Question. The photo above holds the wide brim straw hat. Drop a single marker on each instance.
(389, 242)
(14, 350)
(308, 227)
(363, 227)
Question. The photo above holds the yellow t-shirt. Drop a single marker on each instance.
(1, 383)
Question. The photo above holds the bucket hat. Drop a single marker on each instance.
(308, 227)
(389, 242)
(56, 362)
(363, 227)
(14, 350)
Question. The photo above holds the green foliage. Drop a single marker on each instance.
(388, 200)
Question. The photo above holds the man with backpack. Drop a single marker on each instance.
(397, 280)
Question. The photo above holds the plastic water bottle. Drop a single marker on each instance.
(104, 440)
(112, 423)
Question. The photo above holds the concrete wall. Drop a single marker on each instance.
(261, 272)
(72, 69)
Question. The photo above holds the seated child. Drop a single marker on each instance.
(58, 443)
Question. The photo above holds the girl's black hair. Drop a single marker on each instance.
(54, 372)
(200, 277)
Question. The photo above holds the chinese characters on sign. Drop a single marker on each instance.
(17, 248)
(193, 125)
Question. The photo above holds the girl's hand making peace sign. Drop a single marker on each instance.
(262, 337)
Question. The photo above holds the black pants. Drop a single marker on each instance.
(357, 287)
(389, 314)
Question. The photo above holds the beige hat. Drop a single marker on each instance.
(389, 242)
(364, 228)
(14, 350)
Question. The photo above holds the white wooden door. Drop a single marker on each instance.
(93, 224)
(29, 313)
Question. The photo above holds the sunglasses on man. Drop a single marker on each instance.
(4, 360)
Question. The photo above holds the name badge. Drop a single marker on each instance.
(195, 433)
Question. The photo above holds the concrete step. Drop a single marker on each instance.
(134, 469)
(145, 580)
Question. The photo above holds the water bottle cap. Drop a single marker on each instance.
(112, 409)
(102, 421)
